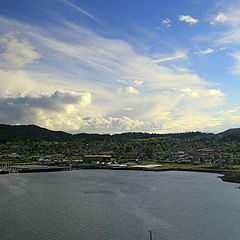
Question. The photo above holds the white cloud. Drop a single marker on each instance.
(97, 124)
(189, 92)
(122, 81)
(236, 68)
(13, 83)
(230, 17)
(128, 90)
(231, 21)
(17, 53)
(138, 82)
(221, 17)
(228, 118)
(128, 109)
(32, 109)
(22, 83)
(191, 121)
(203, 98)
(113, 124)
(188, 19)
(95, 67)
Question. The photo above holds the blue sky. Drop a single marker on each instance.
(119, 66)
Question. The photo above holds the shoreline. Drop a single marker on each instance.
(228, 175)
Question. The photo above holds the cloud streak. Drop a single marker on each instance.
(178, 55)
(209, 50)
(77, 8)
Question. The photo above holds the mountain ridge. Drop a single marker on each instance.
(37, 133)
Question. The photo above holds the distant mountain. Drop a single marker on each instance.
(140, 135)
(36, 133)
(231, 131)
(230, 135)
(31, 132)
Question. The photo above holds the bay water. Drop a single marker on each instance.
(118, 205)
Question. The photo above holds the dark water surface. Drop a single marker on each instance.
(118, 205)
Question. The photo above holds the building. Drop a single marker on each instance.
(96, 158)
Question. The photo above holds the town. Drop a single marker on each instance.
(195, 150)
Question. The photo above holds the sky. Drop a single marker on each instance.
(103, 66)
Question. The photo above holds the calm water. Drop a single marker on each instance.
(118, 205)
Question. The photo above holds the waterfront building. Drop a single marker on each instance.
(96, 158)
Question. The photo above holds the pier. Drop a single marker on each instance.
(8, 168)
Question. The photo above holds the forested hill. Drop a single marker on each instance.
(231, 131)
(36, 133)
(31, 132)
(230, 135)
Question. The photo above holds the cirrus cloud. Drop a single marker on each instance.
(96, 67)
